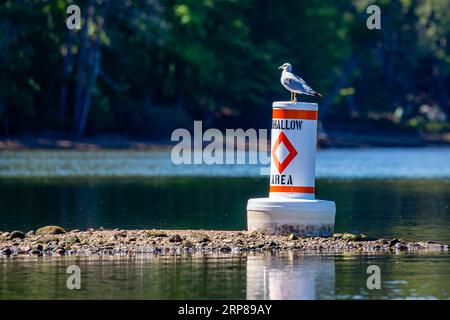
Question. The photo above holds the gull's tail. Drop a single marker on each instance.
(317, 94)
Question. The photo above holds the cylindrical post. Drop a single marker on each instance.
(293, 159)
(291, 206)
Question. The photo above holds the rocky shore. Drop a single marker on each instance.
(55, 241)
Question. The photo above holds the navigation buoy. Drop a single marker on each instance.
(291, 206)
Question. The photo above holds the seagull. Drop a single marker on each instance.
(295, 84)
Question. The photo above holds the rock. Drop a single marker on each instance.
(36, 252)
(5, 234)
(6, 252)
(50, 247)
(29, 233)
(400, 247)
(156, 233)
(272, 244)
(60, 251)
(25, 249)
(122, 234)
(38, 247)
(435, 246)
(337, 235)
(187, 244)
(225, 249)
(50, 230)
(352, 237)
(175, 238)
(393, 242)
(16, 234)
(206, 239)
(292, 237)
(72, 239)
(254, 234)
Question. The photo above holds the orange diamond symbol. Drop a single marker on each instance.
(282, 138)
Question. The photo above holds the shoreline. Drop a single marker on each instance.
(55, 241)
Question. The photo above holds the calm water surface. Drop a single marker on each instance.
(380, 192)
(404, 276)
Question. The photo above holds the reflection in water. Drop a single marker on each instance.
(290, 277)
(228, 276)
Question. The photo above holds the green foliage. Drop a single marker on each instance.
(215, 60)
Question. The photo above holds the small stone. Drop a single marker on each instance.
(24, 249)
(393, 242)
(175, 238)
(60, 251)
(206, 239)
(435, 246)
(72, 240)
(400, 247)
(29, 233)
(271, 244)
(132, 239)
(337, 235)
(187, 244)
(122, 234)
(36, 252)
(50, 230)
(38, 247)
(16, 234)
(292, 237)
(225, 249)
(156, 233)
(351, 237)
(5, 234)
(6, 252)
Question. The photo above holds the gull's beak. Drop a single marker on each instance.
(280, 67)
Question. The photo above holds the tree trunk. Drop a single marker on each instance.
(81, 76)
(66, 73)
(90, 60)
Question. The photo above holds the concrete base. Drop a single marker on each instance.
(302, 217)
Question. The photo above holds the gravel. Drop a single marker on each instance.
(130, 242)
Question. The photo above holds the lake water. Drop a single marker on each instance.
(401, 193)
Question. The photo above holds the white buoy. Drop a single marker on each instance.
(291, 206)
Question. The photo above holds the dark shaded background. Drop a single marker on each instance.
(144, 67)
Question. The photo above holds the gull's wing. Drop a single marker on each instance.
(297, 84)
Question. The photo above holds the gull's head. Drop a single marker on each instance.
(286, 67)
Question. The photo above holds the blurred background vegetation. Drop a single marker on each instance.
(144, 67)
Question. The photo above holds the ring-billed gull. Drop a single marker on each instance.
(295, 84)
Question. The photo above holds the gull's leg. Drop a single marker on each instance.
(295, 97)
(292, 96)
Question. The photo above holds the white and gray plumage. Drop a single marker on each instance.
(295, 84)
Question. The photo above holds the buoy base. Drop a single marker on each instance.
(303, 217)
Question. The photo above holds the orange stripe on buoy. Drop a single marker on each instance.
(294, 114)
(291, 189)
